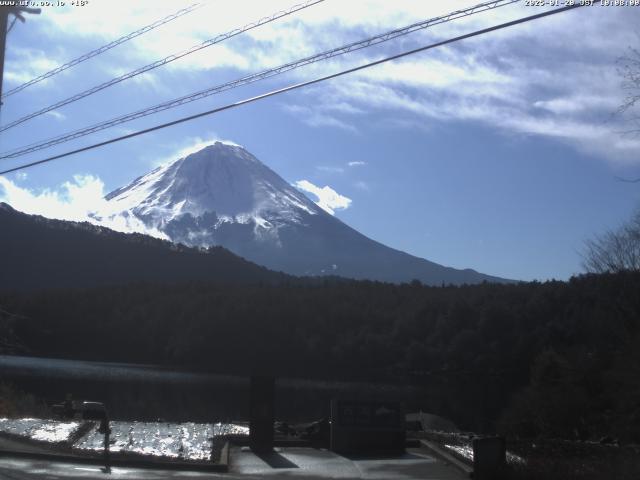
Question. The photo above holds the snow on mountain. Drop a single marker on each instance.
(223, 179)
(223, 195)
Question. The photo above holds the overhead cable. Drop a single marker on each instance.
(351, 47)
(295, 86)
(159, 63)
(103, 49)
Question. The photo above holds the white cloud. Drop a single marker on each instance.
(357, 163)
(378, 96)
(343, 107)
(70, 201)
(57, 115)
(506, 100)
(446, 70)
(534, 72)
(24, 64)
(106, 19)
(328, 169)
(576, 103)
(112, 19)
(75, 200)
(147, 80)
(293, 35)
(327, 198)
(217, 56)
(515, 80)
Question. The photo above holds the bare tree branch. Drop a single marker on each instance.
(616, 250)
(629, 70)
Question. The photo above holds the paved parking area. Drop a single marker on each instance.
(285, 463)
(308, 463)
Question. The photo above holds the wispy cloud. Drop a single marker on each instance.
(57, 115)
(357, 163)
(24, 64)
(362, 185)
(343, 107)
(519, 80)
(514, 100)
(514, 81)
(316, 118)
(327, 198)
(330, 169)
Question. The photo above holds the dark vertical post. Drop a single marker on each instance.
(105, 428)
(262, 413)
(4, 17)
(489, 458)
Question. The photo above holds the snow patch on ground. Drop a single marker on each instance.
(184, 441)
(52, 431)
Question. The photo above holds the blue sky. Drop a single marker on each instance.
(497, 153)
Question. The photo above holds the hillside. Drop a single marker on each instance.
(40, 253)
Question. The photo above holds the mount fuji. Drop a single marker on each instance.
(223, 195)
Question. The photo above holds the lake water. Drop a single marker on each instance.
(150, 392)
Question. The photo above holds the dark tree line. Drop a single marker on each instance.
(554, 358)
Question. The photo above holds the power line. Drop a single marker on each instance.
(377, 39)
(103, 49)
(162, 62)
(296, 86)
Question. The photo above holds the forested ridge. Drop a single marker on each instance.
(37, 252)
(556, 358)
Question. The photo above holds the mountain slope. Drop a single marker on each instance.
(41, 253)
(223, 195)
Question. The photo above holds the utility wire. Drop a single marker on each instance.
(163, 61)
(103, 49)
(296, 86)
(384, 37)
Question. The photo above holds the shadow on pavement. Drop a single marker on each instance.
(399, 456)
(275, 460)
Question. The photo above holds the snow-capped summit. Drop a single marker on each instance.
(222, 179)
(223, 195)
